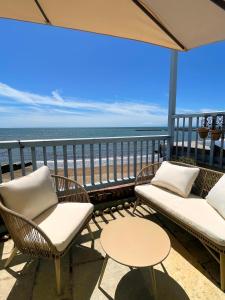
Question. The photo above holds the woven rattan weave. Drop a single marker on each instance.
(29, 238)
(205, 181)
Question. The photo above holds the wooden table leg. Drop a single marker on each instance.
(103, 269)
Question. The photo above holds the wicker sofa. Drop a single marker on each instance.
(193, 214)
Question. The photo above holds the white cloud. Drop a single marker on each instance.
(202, 110)
(56, 96)
(48, 110)
(95, 120)
(209, 110)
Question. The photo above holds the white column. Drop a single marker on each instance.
(172, 98)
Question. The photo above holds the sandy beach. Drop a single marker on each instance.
(18, 173)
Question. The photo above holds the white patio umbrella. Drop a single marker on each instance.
(176, 24)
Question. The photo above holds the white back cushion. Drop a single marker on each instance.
(30, 195)
(177, 179)
(216, 196)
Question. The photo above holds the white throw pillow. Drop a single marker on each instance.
(216, 196)
(177, 179)
(30, 195)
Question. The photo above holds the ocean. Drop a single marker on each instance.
(12, 134)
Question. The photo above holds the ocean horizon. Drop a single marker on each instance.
(10, 134)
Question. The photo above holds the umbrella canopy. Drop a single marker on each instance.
(175, 24)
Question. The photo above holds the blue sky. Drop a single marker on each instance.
(56, 77)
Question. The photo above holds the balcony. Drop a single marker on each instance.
(100, 165)
(105, 165)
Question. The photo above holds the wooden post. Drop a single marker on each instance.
(172, 100)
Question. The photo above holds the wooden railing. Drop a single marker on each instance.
(188, 143)
(94, 162)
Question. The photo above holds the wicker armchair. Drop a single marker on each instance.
(30, 239)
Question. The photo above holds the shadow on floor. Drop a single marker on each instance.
(87, 265)
(23, 286)
(194, 252)
(17, 260)
(134, 287)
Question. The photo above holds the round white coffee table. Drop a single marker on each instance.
(135, 242)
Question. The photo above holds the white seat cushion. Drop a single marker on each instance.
(193, 211)
(63, 221)
(177, 179)
(30, 195)
(216, 196)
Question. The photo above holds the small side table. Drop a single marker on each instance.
(135, 242)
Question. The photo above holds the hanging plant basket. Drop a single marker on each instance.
(215, 134)
(203, 132)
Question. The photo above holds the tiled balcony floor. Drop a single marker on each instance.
(189, 272)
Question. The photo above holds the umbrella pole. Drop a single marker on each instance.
(172, 100)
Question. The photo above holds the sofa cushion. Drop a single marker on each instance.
(216, 196)
(192, 211)
(63, 221)
(30, 195)
(177, 179)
